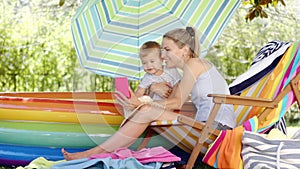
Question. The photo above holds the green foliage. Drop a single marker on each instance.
(236, 48)
(36, 47)
(257, 8)
(292, 116)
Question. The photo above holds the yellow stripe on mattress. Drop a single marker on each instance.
(53, 116)
(164, 122)
(253, 91)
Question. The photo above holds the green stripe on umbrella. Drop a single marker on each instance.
(107, 34)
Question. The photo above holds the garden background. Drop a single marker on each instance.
(37, 52)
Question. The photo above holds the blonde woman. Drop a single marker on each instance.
(180, 49)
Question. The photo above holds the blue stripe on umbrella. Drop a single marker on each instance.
(225, 23)
(175, 6)
(190, 8)
(125, 25)
(109, 62)
(201, 19)
(80, 38)
(116, 37)
(113, 51)
(75, 45)
(106, 12)
(112, 63)
(213, 21)
(97, 22)
(154, 19)
(86, 22)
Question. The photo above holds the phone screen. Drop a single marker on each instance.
(122, 86)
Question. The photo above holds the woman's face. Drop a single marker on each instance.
(171, 53)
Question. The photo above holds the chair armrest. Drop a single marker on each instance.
(195, 124)
(243, 100)
(187, 109)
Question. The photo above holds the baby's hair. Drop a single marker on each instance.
(149, 46)
(184, 37)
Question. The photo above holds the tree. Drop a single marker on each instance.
(36, 46)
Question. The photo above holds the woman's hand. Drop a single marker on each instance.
(162, 89)
(128, 103)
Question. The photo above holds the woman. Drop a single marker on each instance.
(180, 49)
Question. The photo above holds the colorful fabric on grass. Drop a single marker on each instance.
(40, 163)
(105, 163)
(144, 156)
(225, 151)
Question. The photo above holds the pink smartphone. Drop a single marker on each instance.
(122, 86)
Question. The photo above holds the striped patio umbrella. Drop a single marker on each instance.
(107, 34)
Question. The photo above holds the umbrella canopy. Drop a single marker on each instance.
(107, 34)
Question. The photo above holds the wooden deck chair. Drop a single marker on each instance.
(268, 99)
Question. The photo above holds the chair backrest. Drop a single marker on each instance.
(270, 86)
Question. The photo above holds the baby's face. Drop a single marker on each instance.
(152, 63)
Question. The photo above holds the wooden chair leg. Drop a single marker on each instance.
(204, 135)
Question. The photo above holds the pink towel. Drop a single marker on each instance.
(145, 155)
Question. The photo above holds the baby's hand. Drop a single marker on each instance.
(127, 103)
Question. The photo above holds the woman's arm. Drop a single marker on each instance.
(162, 89)
(193, 68)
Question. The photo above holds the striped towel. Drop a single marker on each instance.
(261, 152)
(265, 61)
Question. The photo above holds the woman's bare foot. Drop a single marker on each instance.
(73, 156)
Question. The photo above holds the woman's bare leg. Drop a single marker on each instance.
(125, 136)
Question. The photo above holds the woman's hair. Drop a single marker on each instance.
(184, 37)
(149, 46)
